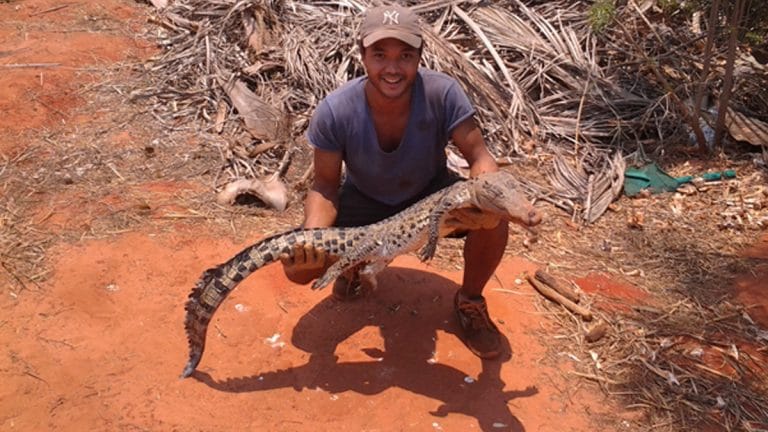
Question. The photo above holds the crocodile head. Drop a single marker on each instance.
(498, 193)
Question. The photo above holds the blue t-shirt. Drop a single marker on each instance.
(342, 123)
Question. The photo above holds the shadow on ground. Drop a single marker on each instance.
(407, 360)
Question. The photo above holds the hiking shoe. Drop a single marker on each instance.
(348, 287)
(481, 335)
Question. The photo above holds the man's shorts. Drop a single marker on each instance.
(357, 209)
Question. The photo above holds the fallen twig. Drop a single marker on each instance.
(53, 9)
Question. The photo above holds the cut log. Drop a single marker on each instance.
(596, 332)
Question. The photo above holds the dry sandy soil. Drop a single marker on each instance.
(110, 240)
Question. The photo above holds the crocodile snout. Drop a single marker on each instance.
(534, 217)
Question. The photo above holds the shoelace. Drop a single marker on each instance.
(477, 312)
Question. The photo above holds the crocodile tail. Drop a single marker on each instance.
(216, 283)
(196, 322)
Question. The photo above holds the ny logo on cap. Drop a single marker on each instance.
(391, 17)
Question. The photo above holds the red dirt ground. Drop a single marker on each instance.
(102, 348)
(100, 345)
(751, 289)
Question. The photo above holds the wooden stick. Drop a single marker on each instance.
(558, 298)
(53, 9)
(262, 147)
(552, 282)
(29, 65)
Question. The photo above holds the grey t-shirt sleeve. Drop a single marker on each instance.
(457, 106)
(322, 126)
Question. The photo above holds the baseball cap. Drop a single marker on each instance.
(392, 21)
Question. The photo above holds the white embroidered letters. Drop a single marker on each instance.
(391, 17)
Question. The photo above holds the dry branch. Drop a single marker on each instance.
(556, 297)
(550, 280)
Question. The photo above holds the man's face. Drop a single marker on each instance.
(391, 65)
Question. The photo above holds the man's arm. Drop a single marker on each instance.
(320, 209)
(320, 206)
(469, 140)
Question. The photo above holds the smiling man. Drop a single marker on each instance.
(389, 129)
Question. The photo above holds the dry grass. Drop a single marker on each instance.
(689, 355)
(22, 245)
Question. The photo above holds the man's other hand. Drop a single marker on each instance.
(306, 258)
(471, 219)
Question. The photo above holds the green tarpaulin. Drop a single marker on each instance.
(651, 177)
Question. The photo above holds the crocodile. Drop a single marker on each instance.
(370, 248)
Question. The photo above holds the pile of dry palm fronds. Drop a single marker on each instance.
(255, 70)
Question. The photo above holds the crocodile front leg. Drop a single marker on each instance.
(452, 199)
